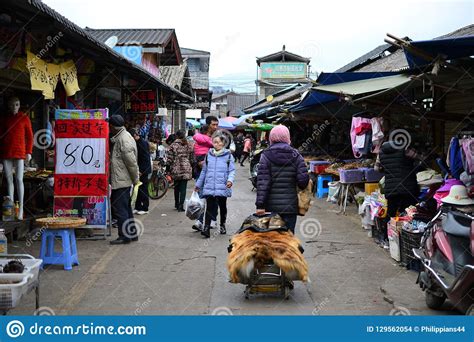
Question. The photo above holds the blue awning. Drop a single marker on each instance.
(314, 97)
(448, 48)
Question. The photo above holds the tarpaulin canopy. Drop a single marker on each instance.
(242, 119)
(315, 97)
(447, 48)
(361, 87)
(261, 126)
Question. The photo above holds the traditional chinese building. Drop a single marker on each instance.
(280, 70)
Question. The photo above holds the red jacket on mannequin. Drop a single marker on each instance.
(16, 136)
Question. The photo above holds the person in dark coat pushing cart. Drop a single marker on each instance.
(282, 169)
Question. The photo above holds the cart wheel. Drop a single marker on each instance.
(285, 291)
(247, 293)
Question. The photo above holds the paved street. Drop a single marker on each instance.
(173, 270)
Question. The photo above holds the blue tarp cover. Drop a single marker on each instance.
(449, 48)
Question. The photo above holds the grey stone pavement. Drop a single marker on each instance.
(172, 270)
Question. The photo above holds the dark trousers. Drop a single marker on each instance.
(245, 155)
(122, 209)
(399, 203)
(214, 203)
(143, 201)
(179, 192)
(290, 220)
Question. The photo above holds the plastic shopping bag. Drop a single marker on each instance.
(135, 193)
(195, 206)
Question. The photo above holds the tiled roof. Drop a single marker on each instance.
(282, 55)
(192, 52)
(37, 7)
(159, 37)
(396, 60)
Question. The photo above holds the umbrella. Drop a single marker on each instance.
(226, 124)
(230, 119)
(193, 123)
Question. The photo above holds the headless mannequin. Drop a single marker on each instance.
(18, 164)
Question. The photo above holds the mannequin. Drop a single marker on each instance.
(16, 146)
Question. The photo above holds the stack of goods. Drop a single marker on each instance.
(262, 241)
(374, 206)
(39, 174)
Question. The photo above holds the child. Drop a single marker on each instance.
(215, 182)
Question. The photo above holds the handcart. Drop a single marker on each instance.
(13, 286)
(268, 279)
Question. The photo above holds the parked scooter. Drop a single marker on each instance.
(447, 256)
(255, 162)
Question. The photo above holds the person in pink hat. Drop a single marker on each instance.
(282, 169)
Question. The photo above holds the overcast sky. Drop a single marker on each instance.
(332, 33)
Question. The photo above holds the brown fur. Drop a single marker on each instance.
(257, 249)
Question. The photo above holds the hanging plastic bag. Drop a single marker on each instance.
(135, 193)
(195, 206)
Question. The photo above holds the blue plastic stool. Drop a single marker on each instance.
(68, 257)
(322, 187)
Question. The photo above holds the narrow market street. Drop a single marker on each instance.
(172, 270)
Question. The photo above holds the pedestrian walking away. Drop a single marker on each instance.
(144, 167)
(215, 183)
(123, 175)
(247, 149)
(180, 161)
(282, 169)
(239, 146)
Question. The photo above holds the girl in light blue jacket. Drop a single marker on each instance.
(215, 182)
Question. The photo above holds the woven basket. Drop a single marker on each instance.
(60, 222)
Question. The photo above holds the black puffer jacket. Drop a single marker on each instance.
(281, 169)
(400, 171)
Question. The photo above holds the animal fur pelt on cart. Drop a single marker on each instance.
(249, 250)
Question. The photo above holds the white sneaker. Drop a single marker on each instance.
(197, 225)
(135, 211)
(142, 212)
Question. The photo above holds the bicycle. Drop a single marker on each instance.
(159, 181)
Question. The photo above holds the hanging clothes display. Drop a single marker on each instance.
(359, 128)
(377, 134)
(467, 147)
(454, 159)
